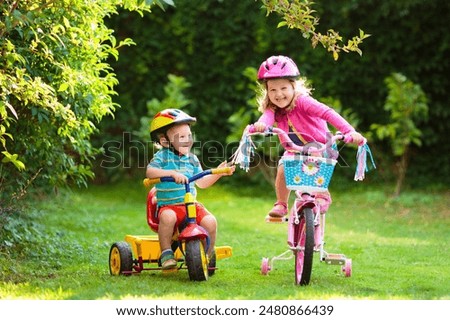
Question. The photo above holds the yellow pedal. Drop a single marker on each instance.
(170, 271)
(223, 252)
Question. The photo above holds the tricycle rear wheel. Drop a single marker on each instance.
(120, 259)
(196, 260)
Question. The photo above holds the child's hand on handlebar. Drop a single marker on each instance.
(259, 126)
(355, 138)
(224, 165)
(179, 178)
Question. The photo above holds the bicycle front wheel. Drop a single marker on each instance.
(304, 234)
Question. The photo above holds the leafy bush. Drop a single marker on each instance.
(407, 106)
(55, 87)
(23, 239)
(235, 35)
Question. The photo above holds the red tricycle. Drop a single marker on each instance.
(190, 244)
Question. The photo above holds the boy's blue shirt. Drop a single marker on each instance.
(171, 192)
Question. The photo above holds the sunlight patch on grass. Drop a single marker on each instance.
(369, 237)
(29, 292)
(173, 296)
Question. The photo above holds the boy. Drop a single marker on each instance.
(170, 129)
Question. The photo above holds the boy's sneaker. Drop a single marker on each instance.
(168, 260)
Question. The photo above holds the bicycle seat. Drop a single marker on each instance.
(323, 198)
(152, 218)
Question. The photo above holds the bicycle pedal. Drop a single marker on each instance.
(270, 219)
(335, 258)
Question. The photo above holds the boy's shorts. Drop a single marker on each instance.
(180, 210)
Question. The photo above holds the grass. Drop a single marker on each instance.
(398, 247)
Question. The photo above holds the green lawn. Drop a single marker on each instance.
(398, 247)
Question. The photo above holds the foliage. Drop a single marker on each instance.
(210, 55)
(56, 86)
(235, 35)
(298, 14)
(405, 39)
(247, 113)
(22, 236)
(407, 106)
(174, 99)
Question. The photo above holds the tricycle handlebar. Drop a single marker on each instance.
(149, 181)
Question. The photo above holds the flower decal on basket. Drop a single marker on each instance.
(297, 179)
(319, 181)
(310, 167)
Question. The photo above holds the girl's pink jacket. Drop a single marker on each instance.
(309, 118)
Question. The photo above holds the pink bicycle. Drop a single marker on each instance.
(307, 173)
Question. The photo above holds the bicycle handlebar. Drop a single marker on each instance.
(289, 145)
(149, 181)
(246, 147)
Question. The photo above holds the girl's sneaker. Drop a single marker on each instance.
(279, 210)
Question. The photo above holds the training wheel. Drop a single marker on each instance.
(347, 268)
(265, 267)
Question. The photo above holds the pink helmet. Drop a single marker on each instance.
(278, 67)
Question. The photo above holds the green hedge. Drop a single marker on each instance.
(210, 43)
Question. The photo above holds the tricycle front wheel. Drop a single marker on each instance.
(196, 261)
(120, 258)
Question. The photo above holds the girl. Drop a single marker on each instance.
(287, 102)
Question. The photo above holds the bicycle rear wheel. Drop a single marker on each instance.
(304, 235)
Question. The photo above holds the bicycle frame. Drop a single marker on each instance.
(304, 201)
